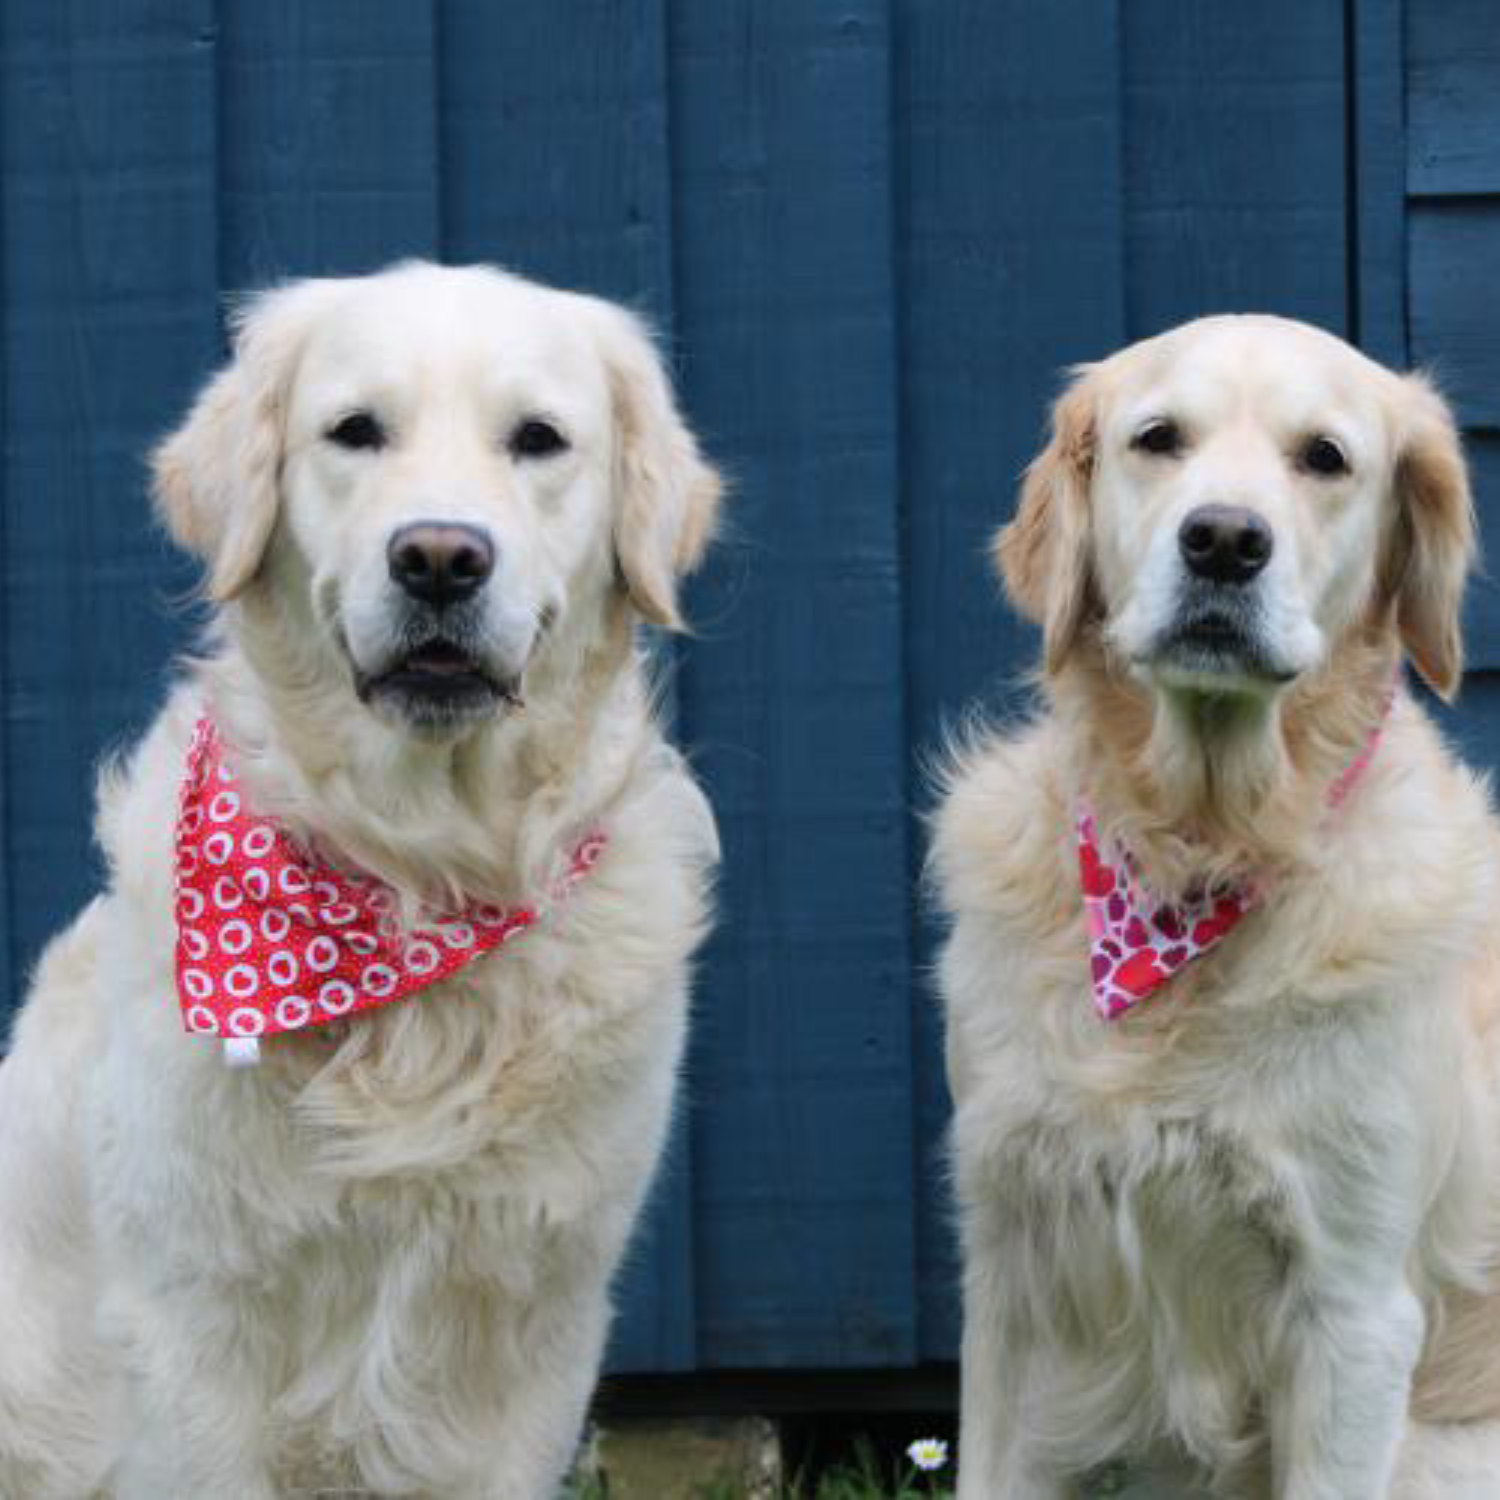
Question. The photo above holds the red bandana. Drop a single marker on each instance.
(270, 940)
(1137, 942)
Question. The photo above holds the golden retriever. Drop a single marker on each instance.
(1249, 1222)
(432, 504)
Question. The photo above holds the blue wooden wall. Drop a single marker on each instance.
(871, 231)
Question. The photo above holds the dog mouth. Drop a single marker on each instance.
(1208, 642)
(439, 681)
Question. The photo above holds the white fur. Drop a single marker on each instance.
(1228, 1225)
(382, 1258)
(1451, 1463)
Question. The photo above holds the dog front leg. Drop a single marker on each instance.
(196, 1416)
(535, 1434)
(996, 1459)
(1339, 1408)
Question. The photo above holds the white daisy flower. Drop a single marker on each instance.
(928, 1453)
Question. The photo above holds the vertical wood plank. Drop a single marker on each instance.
(1453, 246)
(1453, 104)
(556, 164)
(1482, 601)
(1011, 246)
(1379, 180)
(1454, 322)
(328, 122)
(106, 195)
(555, 153)
(802, 1149)
(1235, 161)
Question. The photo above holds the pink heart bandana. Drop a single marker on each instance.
(269, 940)
(1137, 942)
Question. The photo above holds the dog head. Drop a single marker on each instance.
(1222, 507)
(434, 472)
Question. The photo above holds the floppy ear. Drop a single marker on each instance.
(1433, 542)
(217, 479)
(666, 495)
(1043, 553)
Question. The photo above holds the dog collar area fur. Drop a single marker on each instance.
(1138, 941)
(270, 940)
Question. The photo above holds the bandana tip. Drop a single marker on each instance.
(241, 1052)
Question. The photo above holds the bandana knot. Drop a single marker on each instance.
(271, 940)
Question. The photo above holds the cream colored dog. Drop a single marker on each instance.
(1250, 1221)
(431, 503)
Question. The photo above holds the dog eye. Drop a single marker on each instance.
(358, 430)
(1323, 456)
(535, 438)
(1162, 437)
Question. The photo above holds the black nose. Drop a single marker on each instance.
(439, 563)
(1225, 543)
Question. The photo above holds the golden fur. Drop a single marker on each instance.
(1252, 1223)
(380, 1259)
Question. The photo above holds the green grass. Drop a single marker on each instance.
(864, 1480)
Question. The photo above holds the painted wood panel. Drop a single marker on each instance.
(1482, 604)
(873, 233)
(1378, 164)
(328, 156)
(1453, 305)
(1236, 175)
(1453, 101)
(792, 691)
(108, 207)
(1455, 300)
(555, 155)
